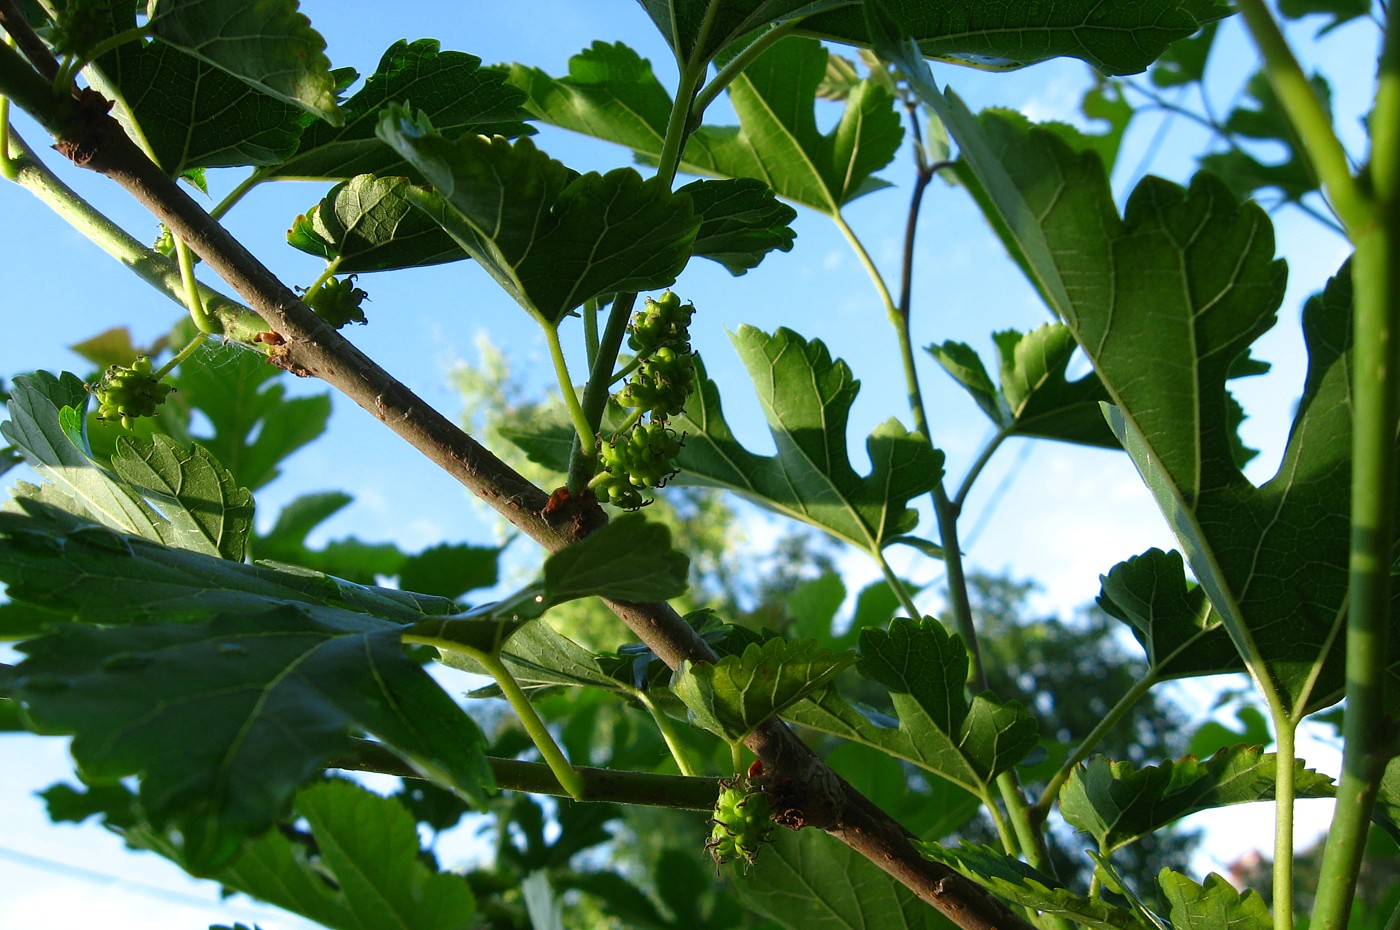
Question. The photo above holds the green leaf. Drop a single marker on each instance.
(1183, 635)
(366, 869)
(195, 115)
(269, 45)
(611, 93)
(1036, 398)
(854, 893)
(1184, 61)
(1216, 905)
(629, 559)
(697, 30)
(368, 224)
(778, 140)
(1266, 122)
(552, 239)
(255, 424)
(1386, 813)
(156, 489)
(964, 365)
(224, 720)
(205, 509)
(740, 222)
(1115, 36)
(450, 88)
(939, 729)
(733, 696)
(807, 400)
(1116, 803)
(1012, 880)
(1042, 401)
(1340, 11)
(1188, 277)
(63, 564)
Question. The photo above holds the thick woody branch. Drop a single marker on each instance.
(809, 793)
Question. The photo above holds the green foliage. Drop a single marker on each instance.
(855, 894)
(968, 742)
(553, 239)
(208, 695)
(1116, 803)
(1012, 880)
(155, 489)
(1116, 37)
(368, 223)
(733, 696)
(1035, 397)
(807, 399)
(269, 45)
(1216, 905)
(360, 866)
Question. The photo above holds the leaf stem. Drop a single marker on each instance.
(68, 71)
(180, 356)
(739, 62)
(1041, 808)
(193, 304)
(975, 471)
(896, 584)
(586, 433)
(590, 332)
(1284, 793)
(1308, 117)
(239, 191)
(1376, 280)
(534, 726)
(668, 734)
(583, 457)
(1375, 382)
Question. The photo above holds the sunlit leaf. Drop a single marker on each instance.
(551, 238)
(156, 488)
(368, 224)
(451, 88)
(733, 696)
(1117, 802)
(807, 399)
(939, 729)
(1216, 905)
(611, 93)
(270, 45)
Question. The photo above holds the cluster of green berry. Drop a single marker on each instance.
(643, 455)
(742, 822)
(338, 302)
(125, 393)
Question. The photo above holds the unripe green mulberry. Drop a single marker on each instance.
(664, 322)
(644, 457)
(130, 392)
(662, 384)
(338, 302)
(742, 822)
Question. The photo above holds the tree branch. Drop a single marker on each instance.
(809, 793)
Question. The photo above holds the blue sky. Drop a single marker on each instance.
(1068, 516)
